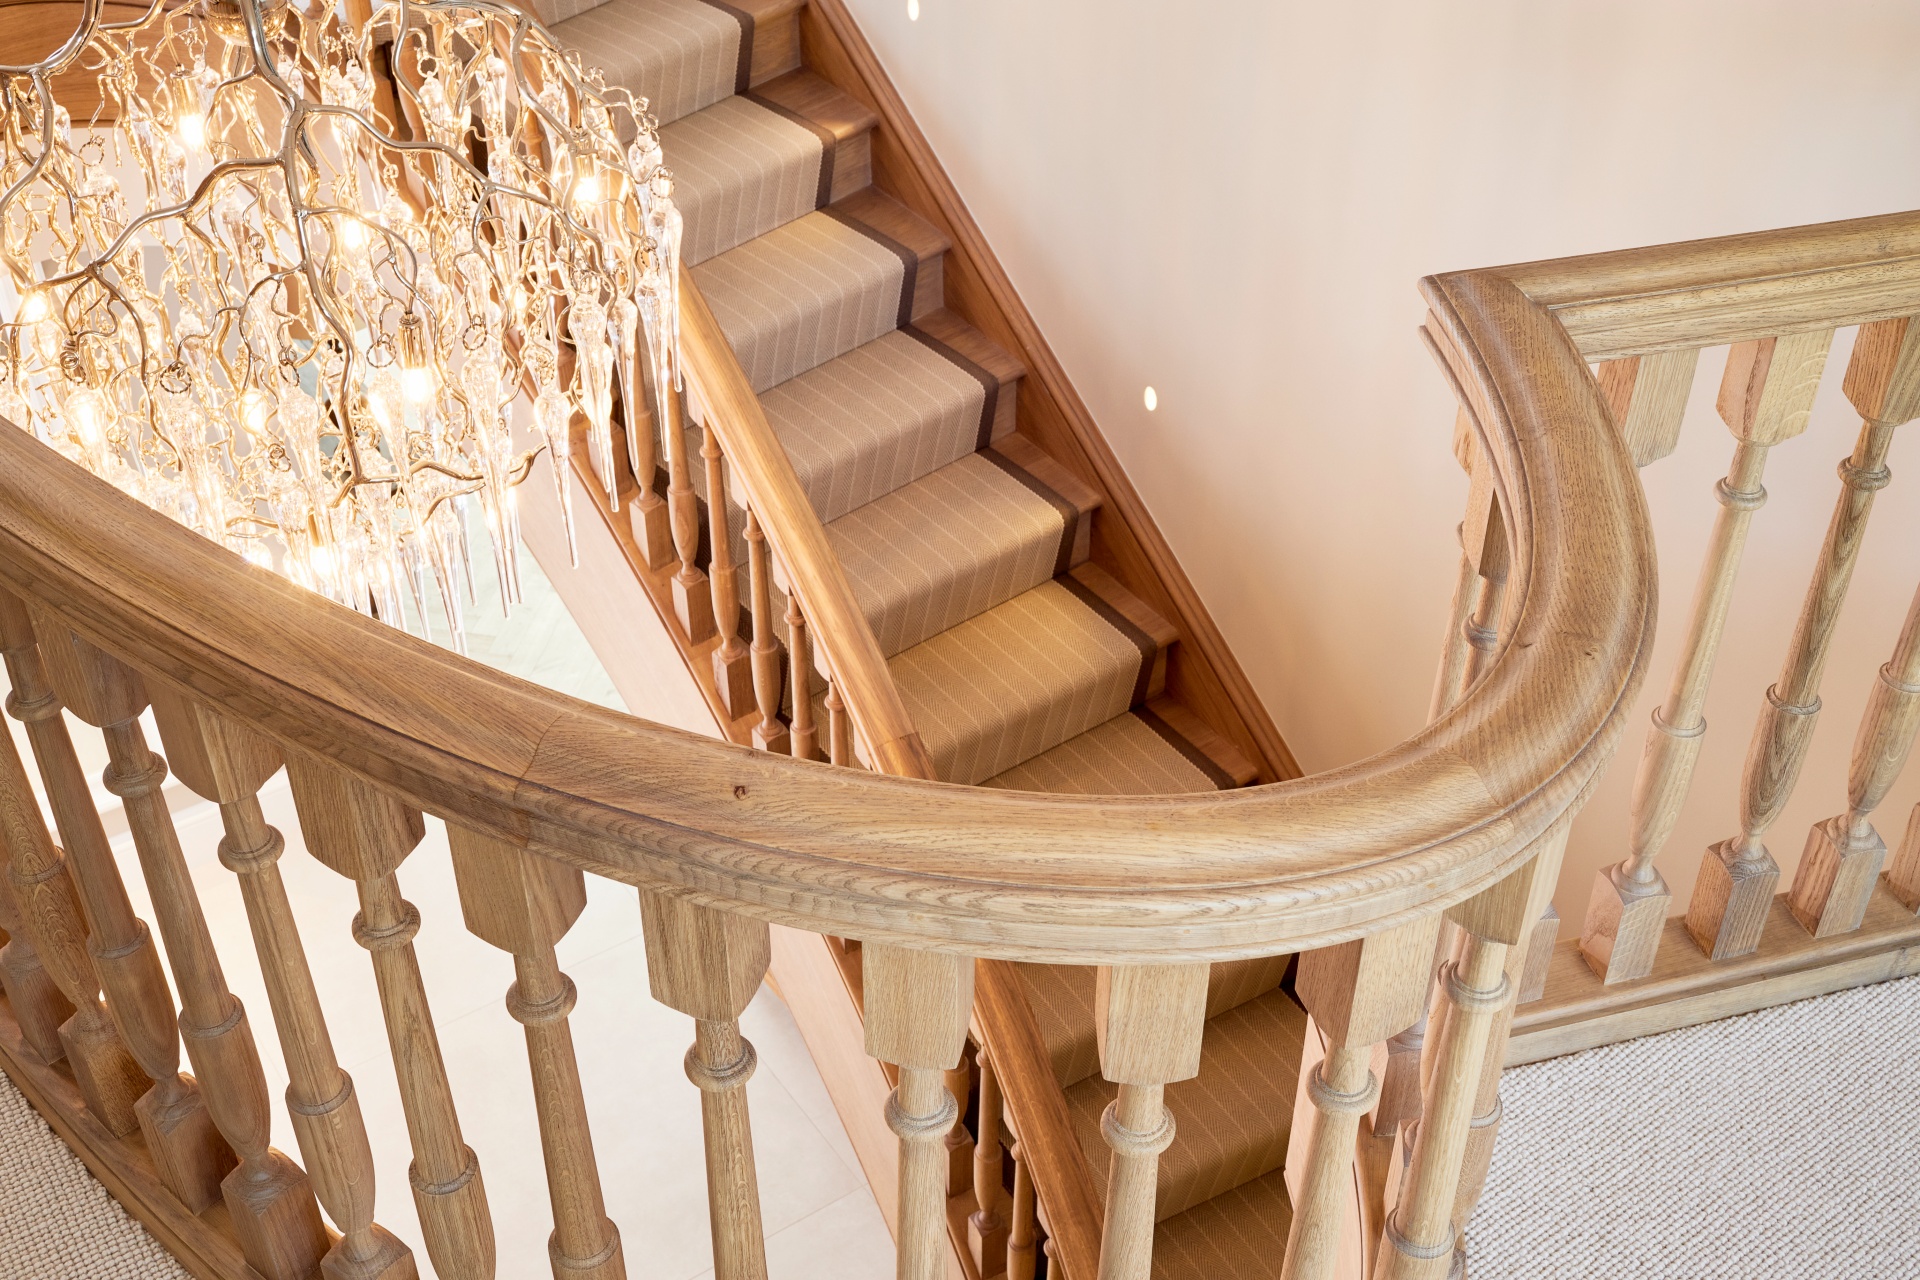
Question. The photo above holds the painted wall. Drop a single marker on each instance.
(1233, 202)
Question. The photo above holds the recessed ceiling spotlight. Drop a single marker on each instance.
(913, 10)
(1152, 400)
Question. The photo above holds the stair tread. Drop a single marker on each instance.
(890, 411)
(1146, 752)
(680, 55)
(1025, 676)
(820, 286)
(952, 545)
(1242, 1232)
(739, 171)
(1231, 1121)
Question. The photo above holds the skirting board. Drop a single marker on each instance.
(1685, 989)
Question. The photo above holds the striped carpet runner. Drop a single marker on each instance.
(1024, 664)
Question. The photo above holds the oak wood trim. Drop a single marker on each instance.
(1686, 988)
(1702, 293)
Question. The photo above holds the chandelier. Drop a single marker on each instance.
(308, 281)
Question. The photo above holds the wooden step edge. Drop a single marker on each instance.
(1228, 759)
(1128, 612)
(1073, 497)
(944, 329)
(840, 122)
(878, 214)
(776, 37)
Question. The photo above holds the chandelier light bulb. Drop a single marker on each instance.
(313, 295)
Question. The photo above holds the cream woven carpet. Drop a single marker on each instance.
(56, 1222)
(1777, 1146)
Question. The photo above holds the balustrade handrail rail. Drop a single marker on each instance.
(765, 474)
(1285, 866)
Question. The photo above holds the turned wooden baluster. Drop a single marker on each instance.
(692, 601)
(769, 734)
(839, 731)
(1765, 398)
(916, 1009)
(364, 834)
(1483, 537)
(732, 667)
(268, 1196)
(708, 964)
(524, 904)
(38, 1007)
(1842, 860)
(223, 761)
(1020, 1235)
(1734, 893)
(1359, 993)
(1445, 1150)
(187, 1151)
(647, 509)
(806, 739)
(1517, 901)
(959, 1141)
(1148, 1021)
(1903, 876)
(1472, 639)
(43, 909)
(987, 1224)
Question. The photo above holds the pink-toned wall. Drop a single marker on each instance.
(1233, 201)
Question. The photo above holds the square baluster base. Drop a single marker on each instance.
(187, 1150)
(1621, 934)
(276, 1218)
(1731, 900)
(108, 1077)
(1835, 878)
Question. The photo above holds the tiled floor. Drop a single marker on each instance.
(820, 1217)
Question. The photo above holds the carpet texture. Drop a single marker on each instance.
(56, 1222)
(1776, 1146)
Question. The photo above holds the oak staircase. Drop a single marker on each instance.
(1133, 999)
(984, 564)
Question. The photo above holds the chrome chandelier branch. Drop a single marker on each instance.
(320, 273)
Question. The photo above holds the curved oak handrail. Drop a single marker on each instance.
(1001, 874)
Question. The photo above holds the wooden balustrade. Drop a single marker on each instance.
(1734, 893)
(223, 761)
(722, 841)
(1766, 396)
